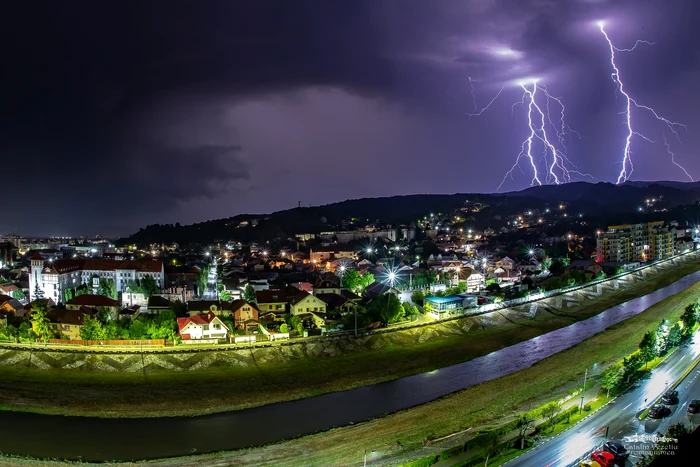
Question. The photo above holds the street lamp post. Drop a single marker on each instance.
(583, 392)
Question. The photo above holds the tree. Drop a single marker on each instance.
(417, 297)
(386, 308)
(68, 295)
(675, 335)
(296, 324)
(92, 329)
(18, 294)
(611, 377)
(149, 286)
(648, 348)
(202, 281)
(249, 294)
(550, 412)
(546, 264)
(38, 293)
(366, 280)
(225, 295)
(350, 280)
(489, 445)
(284, 328)
(107, 288)
(40, 321)
(690, 316)
(524, 425)
(179, 308)
(137, 329)
(25, 331)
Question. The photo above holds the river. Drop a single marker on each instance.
(100, 439)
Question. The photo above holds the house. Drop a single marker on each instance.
(96, 302)
(206, 327)
(69, 322)
(505, 263)
(245, 315)
(157, 303)
(327, 286)
(305, 286)
(11, 305)
(340, 302)
(323, 254)
(475, 280)
(130, 313)
(200, 307)
(530, 265)
(272, 301)
(506, 275)
(8, 289)
(681, 245)
(586, 266)
(379, 288)
(304, 302)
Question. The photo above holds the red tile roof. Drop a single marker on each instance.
(197, 319)
(92, 300)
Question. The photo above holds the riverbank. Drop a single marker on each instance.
(165, 393)
(403, 435)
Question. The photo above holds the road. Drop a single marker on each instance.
(210, 293)
(620, 415)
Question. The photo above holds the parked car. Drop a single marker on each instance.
(588, 463)
(658, 411)
(694, 406)
(605, 459)
(617, 450)
(670, 398)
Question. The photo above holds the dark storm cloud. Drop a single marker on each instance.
(79, 74)
(127, 113)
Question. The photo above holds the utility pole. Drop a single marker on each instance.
(583, 392)
(355, 320)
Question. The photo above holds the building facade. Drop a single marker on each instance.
(53, 278)
(634, 242)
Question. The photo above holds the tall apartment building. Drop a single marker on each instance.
(634, 242)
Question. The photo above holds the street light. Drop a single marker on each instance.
(583, 391)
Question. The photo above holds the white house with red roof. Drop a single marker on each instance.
(202, 327)
(53, 278)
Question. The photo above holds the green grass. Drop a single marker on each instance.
(166, 393)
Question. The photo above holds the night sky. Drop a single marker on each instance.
(114, 115)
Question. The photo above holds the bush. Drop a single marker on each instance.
(284, 328)
(587, 408)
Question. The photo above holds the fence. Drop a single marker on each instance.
(160, 342)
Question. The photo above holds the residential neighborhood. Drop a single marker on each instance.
(355, 278)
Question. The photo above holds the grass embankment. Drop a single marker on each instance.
(166, 393)
(407, 431)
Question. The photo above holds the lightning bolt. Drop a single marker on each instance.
(477, 112)
(627, 166)
(556, 162)
(673, 156)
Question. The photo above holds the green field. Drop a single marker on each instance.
(163, 393)
(405, 432)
